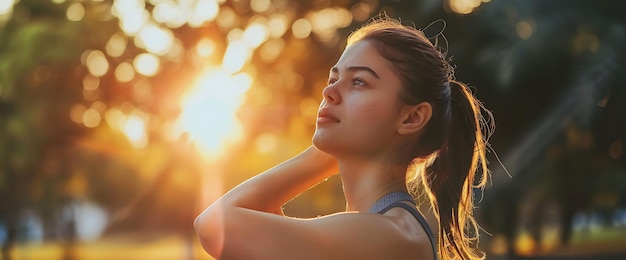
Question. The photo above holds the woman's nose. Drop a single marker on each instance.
(331, 95)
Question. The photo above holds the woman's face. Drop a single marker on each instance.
(359, 114)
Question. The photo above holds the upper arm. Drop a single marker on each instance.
(248, 234)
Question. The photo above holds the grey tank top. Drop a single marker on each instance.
(393, 200)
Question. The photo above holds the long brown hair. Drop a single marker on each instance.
(449, 160)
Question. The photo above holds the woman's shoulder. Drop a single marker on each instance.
(413, 231)
(393, 235)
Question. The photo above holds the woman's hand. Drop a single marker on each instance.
(271, 189)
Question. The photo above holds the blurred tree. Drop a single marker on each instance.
(37, 72)
(547, 66)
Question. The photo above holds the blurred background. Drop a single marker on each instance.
(120, 120)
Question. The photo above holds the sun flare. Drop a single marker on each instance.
(209, 110)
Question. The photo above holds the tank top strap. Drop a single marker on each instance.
(382, 205)
(395, 199)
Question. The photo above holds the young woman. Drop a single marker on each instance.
(392, 120)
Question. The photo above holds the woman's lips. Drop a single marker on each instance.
(325, 116)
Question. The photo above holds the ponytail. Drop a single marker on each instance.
(451, 177)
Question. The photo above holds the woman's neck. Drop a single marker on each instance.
(364, 182)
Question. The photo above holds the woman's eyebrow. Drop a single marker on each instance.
(358, 68)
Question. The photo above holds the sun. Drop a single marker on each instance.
(209, 110)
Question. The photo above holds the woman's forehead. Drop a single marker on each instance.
(363, 53)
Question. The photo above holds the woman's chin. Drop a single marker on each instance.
(322, 144)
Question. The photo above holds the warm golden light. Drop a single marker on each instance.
(116, 45)
(499, 245)
(91, 118)
(270, 50)
(114, 118)
(325, 22)
(277, 25)
(525, 244)
(142, 91)
(76, 113)
(124, 72)
(91, 94)
(226, 18)
(146, 64)
(154, 39)
(236, 55)
(309, 107)
(134, 128)
(132, 15)
(176, 51)
(262, 96)
(75, 12)
(464, 6)
(550, 238)
(255, 34)
(97, 63)
(266, 143)
(202, 11)
(99, 106)
(132, 122)
(205, 47)
(260, 6)
(301, 28)
(169, 13)
(90, 82)
(209, 110)
(234, 35)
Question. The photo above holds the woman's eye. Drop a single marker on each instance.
(358, 82)
(331, 81)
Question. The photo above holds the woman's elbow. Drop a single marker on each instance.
(210, 230)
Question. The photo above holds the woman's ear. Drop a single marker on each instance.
(415, 118)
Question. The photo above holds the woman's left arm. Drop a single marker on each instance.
(266, 192)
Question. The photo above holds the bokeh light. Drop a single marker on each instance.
(154, 39)
(75, 12)
(124, 72)
(97, 63)
(91, 82)
(464, 6)
(278, 25)
(236, 55)
(146, 64)
(76, 113)
(301, 28)
(271, 50)
(205, 47)
(91, 118)
(116, 45)
(525, 29)
(255, 34)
